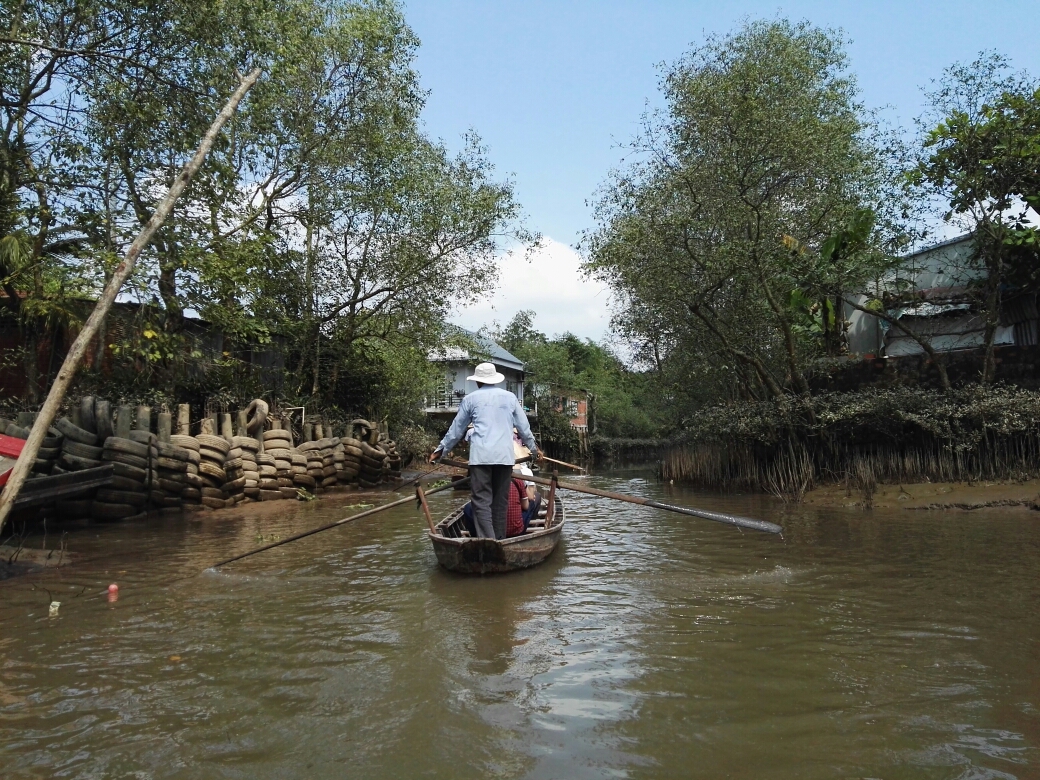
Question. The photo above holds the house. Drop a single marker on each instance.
(574, 404)
(458, 363)
(932, 296)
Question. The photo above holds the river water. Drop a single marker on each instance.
(651, 645)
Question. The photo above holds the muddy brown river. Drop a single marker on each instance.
(885, 644)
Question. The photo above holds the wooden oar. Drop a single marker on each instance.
(718, 517)
(563, 463)
(352, 518)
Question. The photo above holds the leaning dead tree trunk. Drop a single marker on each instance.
(76, 352)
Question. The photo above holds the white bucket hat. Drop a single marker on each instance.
(486, 374)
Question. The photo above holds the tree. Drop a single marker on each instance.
(621, 403)
(712, 239)
(983, 159)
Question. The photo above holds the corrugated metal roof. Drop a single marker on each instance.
(499, 355)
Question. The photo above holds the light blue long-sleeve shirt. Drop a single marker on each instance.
(494, 412)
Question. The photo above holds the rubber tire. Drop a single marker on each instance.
(303, 480)
(191, 494)
(144, 437)
(82, 450)
(49, 453)
(171, 486)
(186, 442)
(74, 432)
(127, 471)
(212, 455)
(76, 463)
(110, 496)
(87, 421)
(16, 432)
(210, 470)
(235, 485)
(214, 503)
(246, 443)
(172, 451)
(130, 447)
(125, 458)
(126, 483)
(101, 510)
(275, 434)
(208, 492)
(213, 442)
(170, 464)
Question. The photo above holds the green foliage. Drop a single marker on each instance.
(622, 403)
(959, 419)
(324, 220)
(717, 241)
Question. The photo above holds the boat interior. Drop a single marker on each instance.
(453, 526)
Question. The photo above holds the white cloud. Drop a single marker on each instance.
(552, 286)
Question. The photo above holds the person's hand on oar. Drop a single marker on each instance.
(435, 455)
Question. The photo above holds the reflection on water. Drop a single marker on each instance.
(649, 645)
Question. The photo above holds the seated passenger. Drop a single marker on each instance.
(517, 508)
(534, 498)
(518, 511)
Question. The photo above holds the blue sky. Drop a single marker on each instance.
(554, 87)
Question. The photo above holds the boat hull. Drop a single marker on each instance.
(492, 556)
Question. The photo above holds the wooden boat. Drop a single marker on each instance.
(458, 551)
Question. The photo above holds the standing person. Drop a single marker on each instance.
(494, 412)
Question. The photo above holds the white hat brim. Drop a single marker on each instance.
(493, 380)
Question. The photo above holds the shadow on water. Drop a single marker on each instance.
(649, 645)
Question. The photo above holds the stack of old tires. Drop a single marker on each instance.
(329, 473)
(79, 448)
(300, 477)
(278, 444)
(191, 492)
(269, 491)
(172, 470)
(49, 452)
(213, 452)
(393, 461)
(134, 477)
(243, 468)
(315, 465)
(351, 463)
(371, 466)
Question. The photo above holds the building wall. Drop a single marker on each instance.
(456, 387)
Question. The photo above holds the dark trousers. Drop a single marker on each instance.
(490, 491)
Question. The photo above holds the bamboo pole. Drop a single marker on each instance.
(76, 352)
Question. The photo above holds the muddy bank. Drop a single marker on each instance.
(931, 495)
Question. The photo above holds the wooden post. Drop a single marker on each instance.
(425, 507)
(241, 429)
(308, 432)
(184, 419)
(550, 509)
(92, 326)
(206, 426)
(124, 420)
(225, 426)
(73, 416)
(319, 432)
(164, 426)
(25, 419)
(144, 418)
